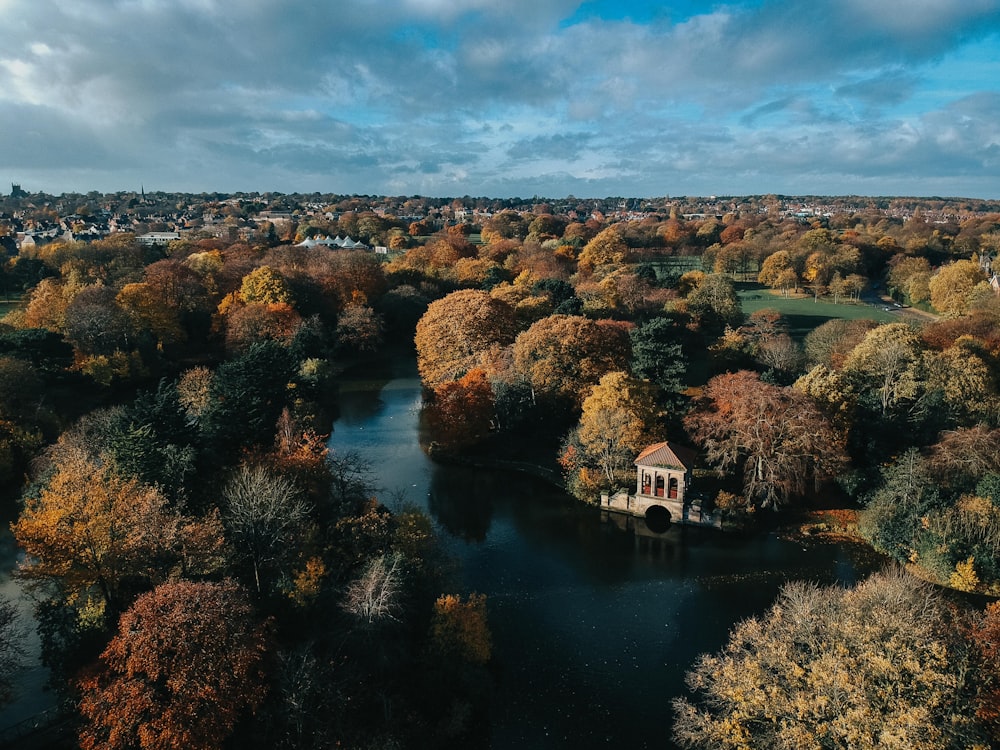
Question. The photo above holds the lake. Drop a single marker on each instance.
(594, 625)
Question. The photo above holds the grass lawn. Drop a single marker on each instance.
(803, 313)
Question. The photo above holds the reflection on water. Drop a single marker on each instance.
(31, 696)
(595, 621)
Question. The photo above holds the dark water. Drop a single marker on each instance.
(30, 694)
(594, 626)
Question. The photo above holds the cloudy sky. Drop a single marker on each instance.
(502, 97)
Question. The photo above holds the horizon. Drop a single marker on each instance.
(559, 97)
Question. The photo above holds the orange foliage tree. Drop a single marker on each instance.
(985, 637)
(776, 435)
(91, 529)
(186, 665)
(460, 412)
(456, 330)
(563, 355)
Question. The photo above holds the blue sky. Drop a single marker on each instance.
(515, 98)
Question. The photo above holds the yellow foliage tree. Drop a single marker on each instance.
(95, 531)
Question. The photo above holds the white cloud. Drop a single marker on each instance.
(433, 93)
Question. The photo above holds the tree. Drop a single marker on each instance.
(657, 355)
(618, 421)
(830, 343)
(776, 436)
(460, 628)
(376, 595)
(92, 530)
(265, 285)
(459, 414)
(264, 513)
(607, 248)
(186, 665)
(257, 321)
(563, 355)
(246, 395)
(456, 330)
(94, 322)
(887, 364)
(772, 268)
(714, 304)
(877, 666)
(963, 376)
(147, 310)
(359, 328)
(985, 638)
(951, 287)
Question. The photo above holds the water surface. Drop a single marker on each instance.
(594, 626)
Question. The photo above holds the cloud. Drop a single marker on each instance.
(428, 93)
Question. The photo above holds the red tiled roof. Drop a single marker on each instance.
(666, 455)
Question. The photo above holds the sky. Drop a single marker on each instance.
(502, 98)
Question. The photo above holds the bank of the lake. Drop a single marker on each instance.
(594, 626)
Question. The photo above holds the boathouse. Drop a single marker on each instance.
(662, 488)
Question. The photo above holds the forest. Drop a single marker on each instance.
(206, 571)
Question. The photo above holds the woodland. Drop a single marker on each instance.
(207, 572)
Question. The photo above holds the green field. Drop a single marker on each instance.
(803, 314)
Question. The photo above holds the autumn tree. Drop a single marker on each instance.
(359, 329)
(909, 278)
(257, 321)
(461, 628)
(887, 365)
(456, 330)
(186, 666)
(713, 304)
(963, 375)
(460, 412)
(563, 355)
(952, 286)
(880, 665)
(619, 419)
(776, 437)
(773, 266)
(830, 343)
(265, 285)
(985, 638)
(95, 532)
(607, 248)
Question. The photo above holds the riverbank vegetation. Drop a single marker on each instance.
(205, 570)
(168, 406)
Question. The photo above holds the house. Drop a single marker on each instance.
(157, 239)
(662, 488)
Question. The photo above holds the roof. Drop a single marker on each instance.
(666, 455)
